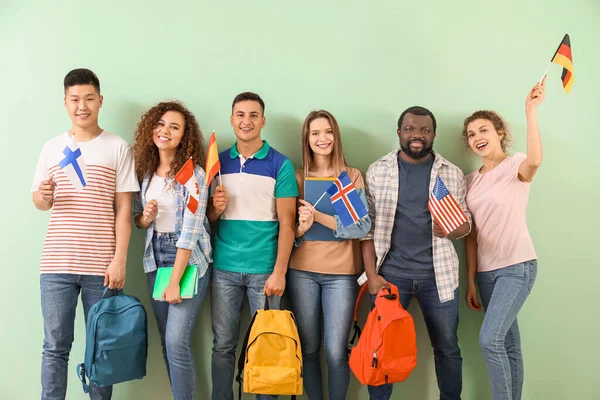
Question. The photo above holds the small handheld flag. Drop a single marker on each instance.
(445, 209)
(186, 177)
(564, 58)
(346, 201)
(73, 165)
(213, 165)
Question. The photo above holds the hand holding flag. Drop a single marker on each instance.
(444, 208)
(150, 211)
(46, 189)
(536, 95)
(306, 214)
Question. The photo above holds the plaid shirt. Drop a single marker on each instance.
(382, 195)
(192, 230)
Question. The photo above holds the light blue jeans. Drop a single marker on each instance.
(503, 293)
(59, 293)
(336, 295)
(176, 322)
(227, 293)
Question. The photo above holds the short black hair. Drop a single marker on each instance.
(417, 110)
(248, 96)
(82, 76)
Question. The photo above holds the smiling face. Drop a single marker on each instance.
(247, 120)
(483, 138)
(83, 104)
(416, 133)
(169, 131)
(321, 138)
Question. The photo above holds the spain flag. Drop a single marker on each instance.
(564, 58)
(213, 165)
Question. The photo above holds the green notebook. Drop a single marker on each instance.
(187, 284)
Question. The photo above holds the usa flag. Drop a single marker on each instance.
(346, 201)
(445, 209)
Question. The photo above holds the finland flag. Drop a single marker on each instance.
(73, 165)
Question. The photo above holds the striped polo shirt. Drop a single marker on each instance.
(247, 232)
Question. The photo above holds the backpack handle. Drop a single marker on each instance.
(268, 307)
(392, 294)
(112, 292)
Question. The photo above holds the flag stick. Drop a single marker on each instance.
(545, 72)
(220, 181)
(315, 205)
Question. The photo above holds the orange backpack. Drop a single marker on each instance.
(387, 347)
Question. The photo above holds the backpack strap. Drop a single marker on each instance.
(81, 374)
(357, 330)
(242, 359)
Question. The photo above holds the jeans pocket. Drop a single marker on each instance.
(516, 270)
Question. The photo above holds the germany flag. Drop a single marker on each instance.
(564, 58)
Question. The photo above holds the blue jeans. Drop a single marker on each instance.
(59, 293)
(227, 293)
(441, 320)
(336, 294)
(503, 292)
(176, 321)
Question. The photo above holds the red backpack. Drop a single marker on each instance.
(387, 347)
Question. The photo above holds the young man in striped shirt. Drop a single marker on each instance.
(89, 189)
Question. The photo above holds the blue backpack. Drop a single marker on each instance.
(116, 341)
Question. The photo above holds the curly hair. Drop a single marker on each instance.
(500, 126)
(146, 152)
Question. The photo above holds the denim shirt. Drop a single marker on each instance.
(192, 230)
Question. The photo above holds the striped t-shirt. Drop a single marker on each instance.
(81, 232)
(247, 232)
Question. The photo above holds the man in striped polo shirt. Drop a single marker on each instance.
(255, 211)
(86, 176)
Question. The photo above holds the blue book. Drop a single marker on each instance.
(313, 189)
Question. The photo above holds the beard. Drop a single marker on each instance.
(425, 151)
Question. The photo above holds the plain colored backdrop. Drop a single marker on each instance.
(364, 61)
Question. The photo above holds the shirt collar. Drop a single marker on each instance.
(260, 154)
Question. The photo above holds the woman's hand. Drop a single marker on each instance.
(150, 212)
(471, 297)
(171, 294)
(306, 216)
(536, 96)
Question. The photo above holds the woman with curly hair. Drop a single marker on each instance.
(500, 253)
(166, 137)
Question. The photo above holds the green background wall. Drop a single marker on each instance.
(363, 61)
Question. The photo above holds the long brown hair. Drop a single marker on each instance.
(337, 155)
(146, 152)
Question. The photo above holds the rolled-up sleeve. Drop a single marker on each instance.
(357, 230)
(370, 187)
